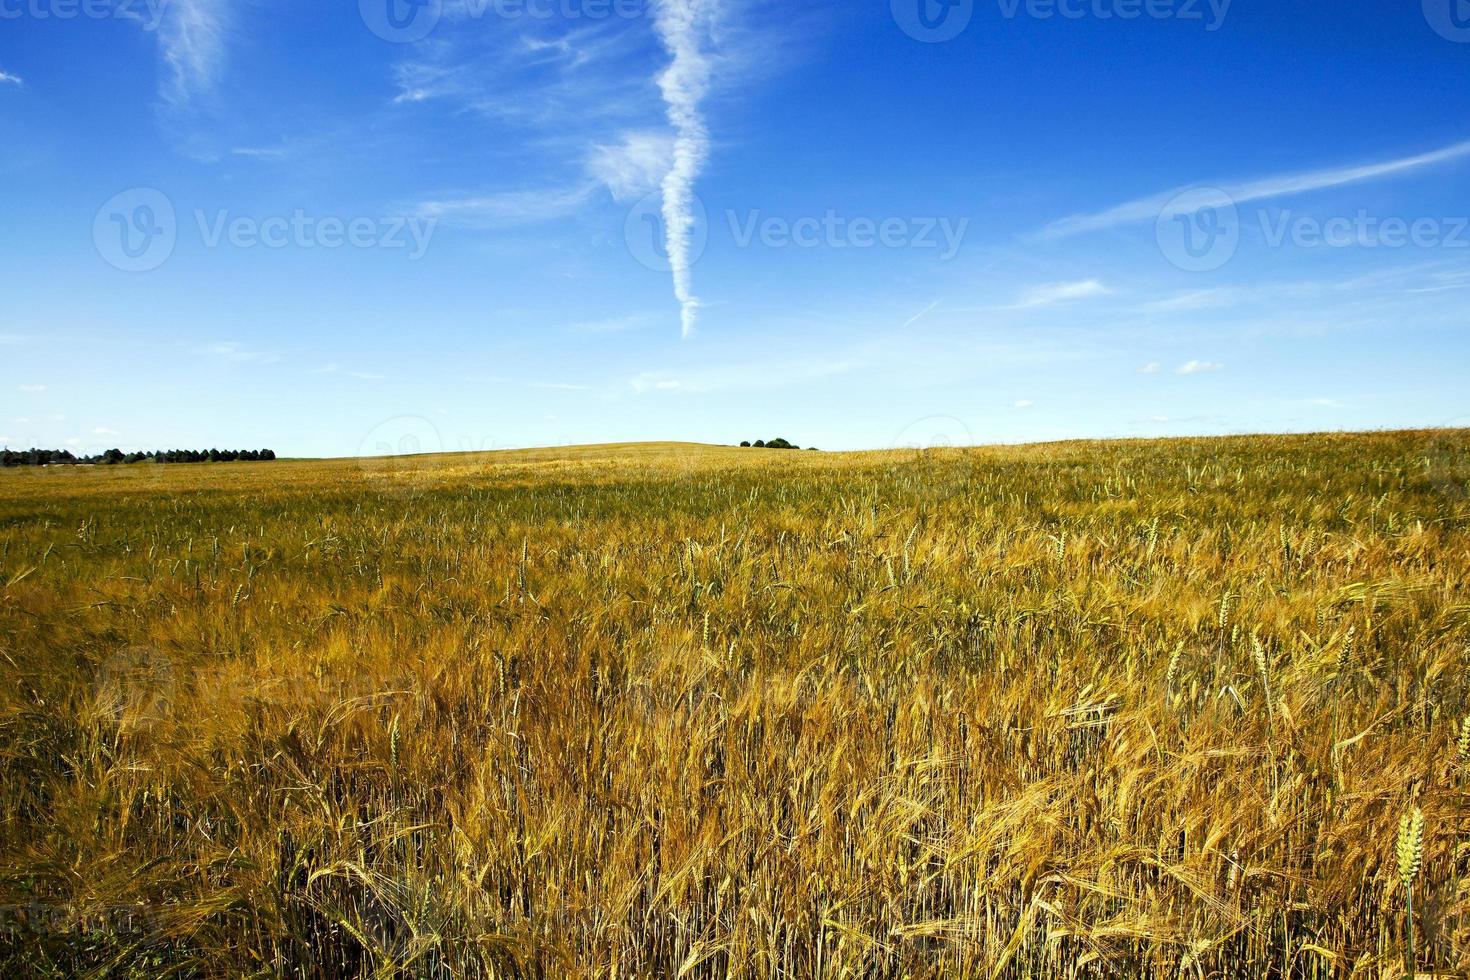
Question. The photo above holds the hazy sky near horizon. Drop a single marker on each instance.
(360, 227)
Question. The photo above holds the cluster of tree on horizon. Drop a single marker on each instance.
(116, 457)
(774, 444)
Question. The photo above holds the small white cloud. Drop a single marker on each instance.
(367, 376)
(558, 386)
(511, 207)
(1152, 367)
(103, 430)
(647, 382)
(32, 389)
(1061, 292)
(1024, 403)
(1199, 367)
(634, 167)
(619, 324)
(6, 78)
(237, 354)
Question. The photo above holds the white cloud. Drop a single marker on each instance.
(633, 167)
(6, 78)
(191, 36)
(335, 368)
(1152, 367)
(237, 354)
(1061, 292)
(1199, 367)
(618, 324)
(33, 389)
(103, 430)
(1151, 208)
(1023, 403)
(681, 25)
(511, 207)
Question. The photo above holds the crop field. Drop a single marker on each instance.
(1190, 709)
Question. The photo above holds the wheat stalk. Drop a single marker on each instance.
(1410, 851)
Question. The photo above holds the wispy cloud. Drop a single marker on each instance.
(191, 38)
(682, 26)
(1199, 367)
(758, 376)
(634, 165)
(1152, 367)
(1023, 403)
(921, 314)
(6, 78)
(1060, 292)
(510, 207)
(32, 389)
(1281, 185)
(236, 353)
(557, 386)
(617, 324)
(335, 368)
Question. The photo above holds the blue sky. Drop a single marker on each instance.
(347, 228)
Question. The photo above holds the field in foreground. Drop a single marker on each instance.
(1130, 709)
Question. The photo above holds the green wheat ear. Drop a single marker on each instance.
(1411, 846)
(1411, 856)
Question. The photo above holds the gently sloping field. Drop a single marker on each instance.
(1103, 709)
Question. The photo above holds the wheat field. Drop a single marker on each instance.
(1073, 710)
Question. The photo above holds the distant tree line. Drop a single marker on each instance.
(774, 444)
(115, 457)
